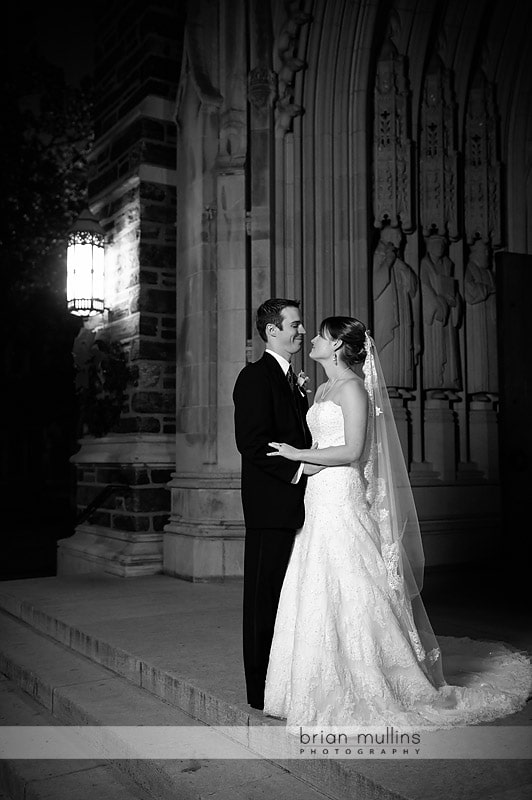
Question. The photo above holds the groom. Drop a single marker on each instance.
(269, 406)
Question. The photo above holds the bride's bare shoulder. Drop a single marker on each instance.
(353, 391)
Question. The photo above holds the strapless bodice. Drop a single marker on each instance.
(326, 423)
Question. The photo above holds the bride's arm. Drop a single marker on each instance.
(353, 400)
(313, 469)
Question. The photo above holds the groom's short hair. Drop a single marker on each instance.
(269, 313)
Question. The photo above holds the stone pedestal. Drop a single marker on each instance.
(127, 554)
(400, 415)
(205, 539)
(123, 535)
(483, 438)
(440, 439)
(422, 473)
(468, 472)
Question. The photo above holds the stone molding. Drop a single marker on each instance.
(127, 449)
(196, 480)
(150, 106)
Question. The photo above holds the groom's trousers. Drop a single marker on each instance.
(266, 556)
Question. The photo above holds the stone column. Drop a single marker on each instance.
(203, 540)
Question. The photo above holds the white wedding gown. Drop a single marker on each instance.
(343, 652)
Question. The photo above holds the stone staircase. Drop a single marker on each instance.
(46, 683)
(65, 663)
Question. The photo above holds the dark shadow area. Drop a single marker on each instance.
(38, 434)
(480, 601)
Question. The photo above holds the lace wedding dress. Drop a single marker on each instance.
(345, 649)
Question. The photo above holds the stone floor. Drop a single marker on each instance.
(179, 643)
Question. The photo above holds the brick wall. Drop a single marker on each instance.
(141, 506)
(132, 191)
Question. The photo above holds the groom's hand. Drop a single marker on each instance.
(285, 450)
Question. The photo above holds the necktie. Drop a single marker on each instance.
(292, 380)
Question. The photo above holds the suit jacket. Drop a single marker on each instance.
(267, 411)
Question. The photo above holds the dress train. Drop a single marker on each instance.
(345, 649)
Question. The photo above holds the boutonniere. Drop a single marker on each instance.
(302, 381)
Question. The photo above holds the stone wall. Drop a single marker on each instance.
(132, 191)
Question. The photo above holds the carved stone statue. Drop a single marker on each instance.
(286, 46)
(395, 295)
(442, 316)
(481, 320)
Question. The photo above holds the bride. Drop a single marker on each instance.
(352, 642)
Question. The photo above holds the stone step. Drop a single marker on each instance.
(58, 779)
(197, 702)
(60, 687)
(180, 643)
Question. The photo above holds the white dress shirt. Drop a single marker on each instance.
(285, 366)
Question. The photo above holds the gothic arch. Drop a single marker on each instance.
(322, 163)
(324, 169)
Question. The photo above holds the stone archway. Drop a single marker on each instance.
(296, 178)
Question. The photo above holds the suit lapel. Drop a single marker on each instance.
(275, 371)
(296, 403)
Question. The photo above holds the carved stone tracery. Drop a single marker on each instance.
(393, 148)
(482, 198)
(438, 162)
(262, 88)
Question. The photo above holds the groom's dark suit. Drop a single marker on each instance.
(266, 410)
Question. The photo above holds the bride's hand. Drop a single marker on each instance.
(285, 450)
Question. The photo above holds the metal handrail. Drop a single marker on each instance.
(106, 492)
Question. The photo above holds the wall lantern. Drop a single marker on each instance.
(85, 266)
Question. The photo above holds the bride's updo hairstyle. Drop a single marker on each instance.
(352, 333)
